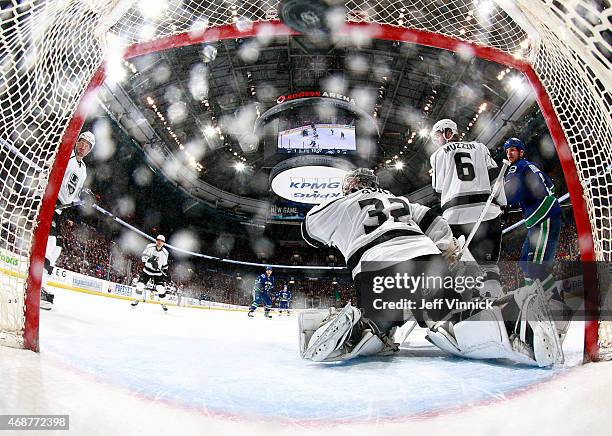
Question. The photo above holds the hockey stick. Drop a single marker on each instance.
(69, 205)
(496, 186)
(79, 202)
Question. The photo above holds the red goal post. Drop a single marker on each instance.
(50, 64)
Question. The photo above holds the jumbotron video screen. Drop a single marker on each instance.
(318, 138)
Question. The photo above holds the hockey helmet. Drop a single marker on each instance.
(268, 268)
(442, 125)
(161, 238)
(514, 142)
(89, 137)
(358, 179)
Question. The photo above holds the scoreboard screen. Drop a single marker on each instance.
(318, 138)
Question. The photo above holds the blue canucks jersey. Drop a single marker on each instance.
(263, 283)
(284, 295)
(526, 185)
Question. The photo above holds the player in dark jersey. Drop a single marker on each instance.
(525, 184)
(283, 297)
(264, 284)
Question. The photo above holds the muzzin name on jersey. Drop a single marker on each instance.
(457, 145)
(436, 304)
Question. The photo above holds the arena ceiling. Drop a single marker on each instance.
(191, 99)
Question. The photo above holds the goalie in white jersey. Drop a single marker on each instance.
(461, 175)
(383, 236)
(69, 193)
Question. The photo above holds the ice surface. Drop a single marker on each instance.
(115, 368)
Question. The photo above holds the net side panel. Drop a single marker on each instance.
(47, 62)
(574, 64)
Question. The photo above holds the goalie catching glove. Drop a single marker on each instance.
(330, 336)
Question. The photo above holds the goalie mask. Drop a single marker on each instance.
(358, 179)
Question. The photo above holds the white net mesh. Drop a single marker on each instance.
(49, 52)
(46, 62)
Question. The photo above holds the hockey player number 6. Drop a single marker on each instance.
(465, 169)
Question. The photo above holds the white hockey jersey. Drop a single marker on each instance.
(73, 181)
(461, 176)
(375, 225)
(151, 252)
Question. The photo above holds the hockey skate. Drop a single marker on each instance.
(46, 299)
(250, 314)
(163, 306)
(134, 303)
(267, 314)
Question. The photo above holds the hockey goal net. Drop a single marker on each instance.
(52, 52)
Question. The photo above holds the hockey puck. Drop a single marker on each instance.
(308, 16)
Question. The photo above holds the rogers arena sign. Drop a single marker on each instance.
(307, 94)
(309, 184)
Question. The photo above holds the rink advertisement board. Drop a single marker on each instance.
(8, 259)
(88, 283)
(67, 279)
(62, 276)
(124, 290)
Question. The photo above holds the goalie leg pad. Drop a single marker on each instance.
(535, 314)
(161, 291)
(482, 336)
(330, 336)
(309, 321)
(329, 339)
